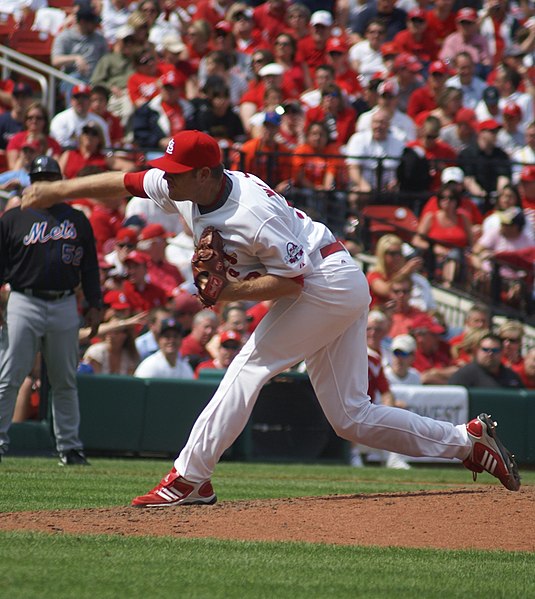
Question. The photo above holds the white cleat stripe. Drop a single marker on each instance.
(489, 462)
(167, 494)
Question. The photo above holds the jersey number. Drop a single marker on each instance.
(71, 254)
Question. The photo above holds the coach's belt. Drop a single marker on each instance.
(46, 294)
(332, 248)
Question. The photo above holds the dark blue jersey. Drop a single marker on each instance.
(49, 249)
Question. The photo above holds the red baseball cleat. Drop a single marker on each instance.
(173, 489)
(488, 453)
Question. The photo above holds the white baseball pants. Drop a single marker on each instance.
(325, 326)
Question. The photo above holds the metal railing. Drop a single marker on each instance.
(45, 75)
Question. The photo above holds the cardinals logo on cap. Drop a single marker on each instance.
(170, 146)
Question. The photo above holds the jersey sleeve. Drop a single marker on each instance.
(280, 251)
(151, 184)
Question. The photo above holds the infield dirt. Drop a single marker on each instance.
(479, 517)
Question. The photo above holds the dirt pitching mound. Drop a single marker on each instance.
(466, 518)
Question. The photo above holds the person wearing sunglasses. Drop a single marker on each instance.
(511, 333)
(487, 369)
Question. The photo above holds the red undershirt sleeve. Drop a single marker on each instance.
(134, 184)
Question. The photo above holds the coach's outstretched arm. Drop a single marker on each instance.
(101, 187)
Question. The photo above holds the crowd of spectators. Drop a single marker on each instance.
(335, 105)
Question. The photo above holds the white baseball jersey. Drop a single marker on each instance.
(262, 234)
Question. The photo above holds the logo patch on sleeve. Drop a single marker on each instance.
(294, 253)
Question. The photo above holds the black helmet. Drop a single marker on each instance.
(45, 168)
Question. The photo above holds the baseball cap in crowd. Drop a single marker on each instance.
(170, 324)
(466, 115)
(491, 95)
(389, 49)
(126, 236)
(488, 125)
(173, 44)
(389, 87)
(452, 174)
(292, 107)
(153, 231)
(321, 17)
(424, 322)
(185, 303)
(117, 300)
(240, 11)
(224, 26)
(124, 31)
(170, 79)
(230, 339)
(86, 13)
(82, 89)
(527, 174)
(512, 109)
(336, 44)
(407, 61)
(404, 343)
(272, 118)
(417, 14)
(136, 257)
(466, 14)
(438, 66)
(93, 127)
(188, 150)
(512, 216)
(271, 69)
(22, 89)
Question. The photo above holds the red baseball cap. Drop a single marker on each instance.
(117, 300)
(407, 61)
(82, 89)
(229, 336)
(417, 13)
(188, 150)
(389, 87)
(137, 257)
(223, 26)
(427, 323)
(389, 48)
(186, 303)
(170, 79)
(466, 115)
(466, 14)
(488, 125)
(438, 67)
(528, 174)
(126, 235)
(512, 109)
(153, 231)
(336, 44)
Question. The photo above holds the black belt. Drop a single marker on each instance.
(332, 248)
(46, 294)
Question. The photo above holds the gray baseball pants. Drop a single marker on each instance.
(50, 326)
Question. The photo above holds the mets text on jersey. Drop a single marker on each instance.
(38, 233)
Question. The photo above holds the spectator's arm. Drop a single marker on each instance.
(473, 187)
(356, 178)
(438, 376)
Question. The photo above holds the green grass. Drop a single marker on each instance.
(41, 566)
